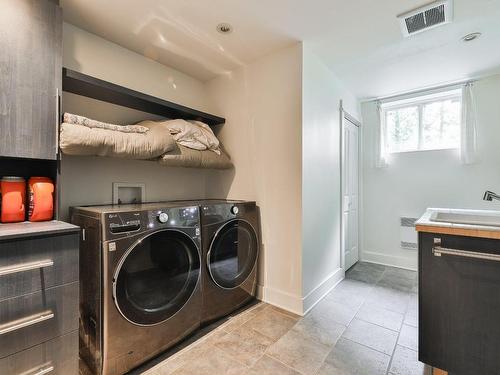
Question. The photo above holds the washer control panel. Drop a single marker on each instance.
(124, 222)
(129, 223)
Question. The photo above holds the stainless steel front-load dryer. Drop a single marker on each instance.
(230, 243)
(140, 282)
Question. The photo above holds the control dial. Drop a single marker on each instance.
(163, 217)
(235, 210)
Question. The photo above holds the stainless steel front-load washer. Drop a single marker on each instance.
(140, 282)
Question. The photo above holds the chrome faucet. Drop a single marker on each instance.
(489, 196)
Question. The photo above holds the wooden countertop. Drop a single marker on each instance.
(28, 229)
(425, 224)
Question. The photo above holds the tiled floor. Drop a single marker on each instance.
(366, 326)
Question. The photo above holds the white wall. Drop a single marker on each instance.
(88, 180)
(322, 92)
(415, 181)
(262, 106)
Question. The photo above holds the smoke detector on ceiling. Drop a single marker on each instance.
(224, 28)
(427, 17)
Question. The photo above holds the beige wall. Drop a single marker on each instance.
(322, 92)
(265, 126)
(88, 180)
(263, 110)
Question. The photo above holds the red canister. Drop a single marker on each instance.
(41, 199)
(13, 190)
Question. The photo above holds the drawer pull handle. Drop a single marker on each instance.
(25, 267)
(438, 251)
(43, 371)
(25, 322)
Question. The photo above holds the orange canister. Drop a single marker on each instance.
(13, 199)
(41, 199)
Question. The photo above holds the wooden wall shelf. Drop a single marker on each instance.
(82, 84)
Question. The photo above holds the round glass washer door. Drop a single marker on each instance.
(156, 277)
(233, 254)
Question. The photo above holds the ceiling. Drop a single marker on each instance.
(360, 40)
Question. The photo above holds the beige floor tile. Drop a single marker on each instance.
(271, 323)
(270, 366)
(189, 354)
(258, 307)
(285, 312)
(319, 327)
(216, 362)
(245, 345)
(299, 352)
(237, 321)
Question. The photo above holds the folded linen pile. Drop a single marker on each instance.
(193, 134)
(146, 140)
(174, 143)
(70, 118)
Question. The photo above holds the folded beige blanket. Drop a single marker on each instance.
(83, 140)
(187, 157)
(84, 121)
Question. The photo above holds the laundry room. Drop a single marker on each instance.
(230, 187)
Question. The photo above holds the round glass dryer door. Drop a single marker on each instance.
(157, 277)
(233, 254)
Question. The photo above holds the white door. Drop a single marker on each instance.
(350, 193)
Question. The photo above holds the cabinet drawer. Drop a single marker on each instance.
(34, 318)
(27, 266)
(55, 357)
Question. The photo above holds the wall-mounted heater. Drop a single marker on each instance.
(429, 16)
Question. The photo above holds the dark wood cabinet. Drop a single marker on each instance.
(39, 296)
(459, 303)
(30, 78)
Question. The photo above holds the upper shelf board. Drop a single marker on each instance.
(82, 84)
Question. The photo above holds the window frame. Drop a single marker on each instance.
(418, 101)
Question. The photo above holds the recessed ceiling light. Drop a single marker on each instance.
(224, 28)
(471, 37)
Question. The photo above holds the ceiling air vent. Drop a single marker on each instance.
(427, 17)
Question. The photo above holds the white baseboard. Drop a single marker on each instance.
(297, 304)
(318, 293)
(409, 262)
(281, 299)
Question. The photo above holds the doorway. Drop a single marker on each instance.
(350, 147)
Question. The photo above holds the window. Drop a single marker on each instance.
(429, 122)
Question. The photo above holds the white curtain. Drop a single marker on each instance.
(468, 146)
(380, 148)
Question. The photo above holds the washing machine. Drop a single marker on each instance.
(230, 243)
(140, 279)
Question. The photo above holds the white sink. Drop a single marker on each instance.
(491, 219)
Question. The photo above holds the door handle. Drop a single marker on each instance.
(58, 120)
(438, 250)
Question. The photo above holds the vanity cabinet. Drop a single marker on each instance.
(459, 303)
(39, 290)
(30, 78)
